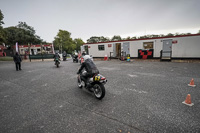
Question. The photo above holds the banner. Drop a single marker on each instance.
(16, 47)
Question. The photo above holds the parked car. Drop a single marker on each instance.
(81, 58)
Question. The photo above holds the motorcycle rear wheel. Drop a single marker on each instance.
(99, 91)
(79, 83)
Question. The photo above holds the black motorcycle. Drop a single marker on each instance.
(75, 58)
(64, 58)
(57, 62)
(94, 84)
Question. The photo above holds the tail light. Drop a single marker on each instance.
(103, 78)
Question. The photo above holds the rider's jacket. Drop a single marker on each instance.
(89, 66)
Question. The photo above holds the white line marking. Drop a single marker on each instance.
(135, 90)
(132, 75)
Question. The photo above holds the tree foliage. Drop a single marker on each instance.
(95, 39)
(22, 33)
(1, 18)
(116, 38)
(64, 42)
(27, 28)
(78, 42)
(2, 33)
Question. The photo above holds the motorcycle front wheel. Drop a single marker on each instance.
(99, 91)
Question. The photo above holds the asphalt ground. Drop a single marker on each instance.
(141, 96)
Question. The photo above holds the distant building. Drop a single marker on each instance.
(181, 46)
(35, 49)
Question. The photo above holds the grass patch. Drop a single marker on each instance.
(7, 58)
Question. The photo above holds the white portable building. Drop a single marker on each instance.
(182, 46)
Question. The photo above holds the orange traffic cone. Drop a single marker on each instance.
(192, 83)
(188, 101)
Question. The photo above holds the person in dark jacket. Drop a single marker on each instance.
(90, 68)
(17, 59)
(56, 56)
(83, 54)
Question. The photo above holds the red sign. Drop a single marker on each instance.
(174, 41)
(109, 45)
(88, 46)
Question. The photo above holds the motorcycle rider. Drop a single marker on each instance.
(90, 68)
(84, 53)
(64, 55)
(55, 56)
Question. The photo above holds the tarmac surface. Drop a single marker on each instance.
(141, 97)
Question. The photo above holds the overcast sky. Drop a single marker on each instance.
(87, 18)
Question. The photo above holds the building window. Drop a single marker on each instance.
(101, 47)
(148, 45)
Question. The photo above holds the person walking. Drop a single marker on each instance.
(17, 59)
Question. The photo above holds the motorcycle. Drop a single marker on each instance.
(64, 58)
(57, 62)
(94, 84)
(75, 59)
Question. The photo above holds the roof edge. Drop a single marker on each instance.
(146, 38)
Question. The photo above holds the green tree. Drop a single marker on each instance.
(170, 34)
(95, 39)
(22, 33)
(104, 39)
(127, 38)
(1, 18)
(143, 37)
(28, 29)
(64, 42)
(116, 38)
(134, 37)
(78, 42)
(2, 32)
(161, 35)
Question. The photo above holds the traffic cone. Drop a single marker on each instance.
(188, 101)
(192, 83)
(105, 58)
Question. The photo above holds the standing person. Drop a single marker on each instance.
(17, 59)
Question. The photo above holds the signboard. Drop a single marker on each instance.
(174, 41)
(109, 45)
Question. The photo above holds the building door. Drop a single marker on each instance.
(86, 49)
(167, 50)
(118, 50)
(126, 48)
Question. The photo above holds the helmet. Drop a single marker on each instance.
(86, 57)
